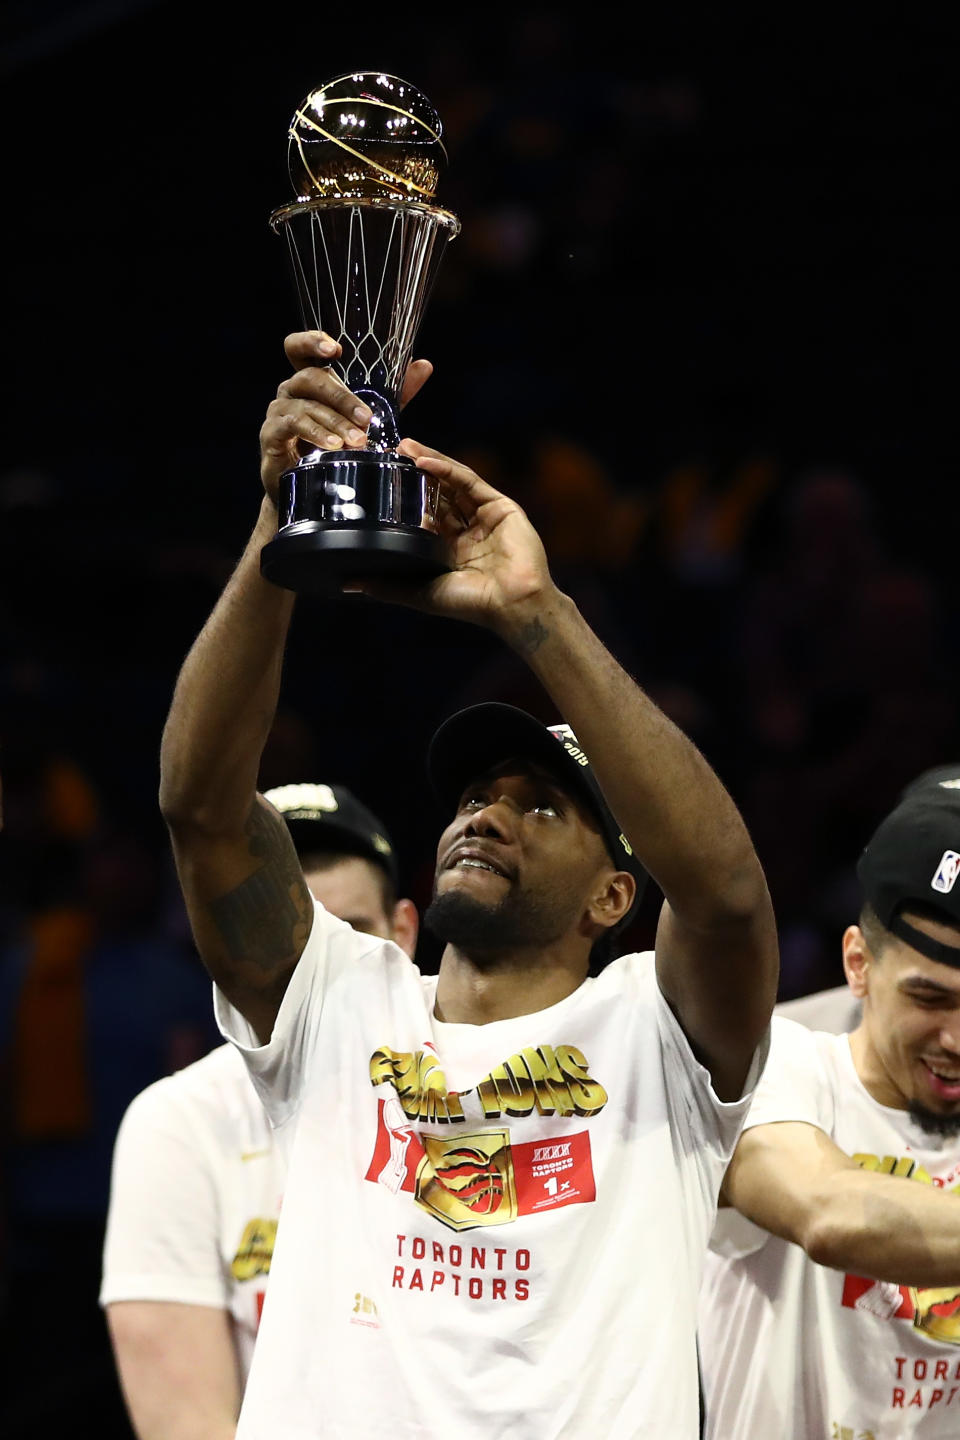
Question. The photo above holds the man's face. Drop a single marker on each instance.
(353, 891)
(912, 1028)
(518, 862)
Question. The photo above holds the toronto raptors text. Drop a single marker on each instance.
(473, 1272)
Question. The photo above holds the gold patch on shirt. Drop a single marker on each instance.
(468, 1180)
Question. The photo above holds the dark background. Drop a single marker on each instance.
(697, 321)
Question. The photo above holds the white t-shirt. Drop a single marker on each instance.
(495, 1232)
(836, 1011)
(792, 1349)
(195, 1196)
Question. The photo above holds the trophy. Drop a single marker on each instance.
(365, 242)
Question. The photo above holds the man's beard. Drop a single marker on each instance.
(932, 1123)
(485, 931)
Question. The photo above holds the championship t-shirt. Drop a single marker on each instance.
(488, 1231)
(790, 1348)
(195, 1196)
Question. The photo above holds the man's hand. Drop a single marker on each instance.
(498, 575)
(314, 410)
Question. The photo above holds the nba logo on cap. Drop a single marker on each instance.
(947, 872)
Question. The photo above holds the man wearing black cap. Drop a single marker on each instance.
(197, 1178)
(502, 1179)
(831, 1303)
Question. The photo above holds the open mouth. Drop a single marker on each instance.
(944, 1081)
(470, 861)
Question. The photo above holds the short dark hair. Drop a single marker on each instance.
(875, 934)
(878, 936)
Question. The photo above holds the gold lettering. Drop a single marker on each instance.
(420, 1084)
(513, 1086)
(255, 1251)
(489, 1099)
(429, 1074)
(398, 1067)
(440, 1107)
(905, 1167)
(885, 1166)
(454, 1108)
(550, 1089)
(556, 1082)
(589, 1097)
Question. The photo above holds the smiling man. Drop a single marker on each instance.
(502, 1180)
(841, 1315)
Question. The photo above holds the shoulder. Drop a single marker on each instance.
(216, 1082)
(339, 952)
(802, 1077)
(793, 1044)
(836, 1011)
(636, 972)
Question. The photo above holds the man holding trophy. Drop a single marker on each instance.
(502, 1179)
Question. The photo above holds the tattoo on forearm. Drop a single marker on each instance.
(265, 919)
(532, 636)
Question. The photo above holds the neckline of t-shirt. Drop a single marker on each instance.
(454, 1029)
(897, 1116)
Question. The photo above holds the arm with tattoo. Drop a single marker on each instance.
(246, 897)
(260, 922)
(245, 894)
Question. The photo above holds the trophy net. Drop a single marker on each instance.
(364, 274)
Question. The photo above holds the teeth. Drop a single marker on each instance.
(476, 865)
(948, 1079)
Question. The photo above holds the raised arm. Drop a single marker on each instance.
(791, 1179)
(716, 946)
(248, 903)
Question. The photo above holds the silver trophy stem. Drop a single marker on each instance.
(363, 270)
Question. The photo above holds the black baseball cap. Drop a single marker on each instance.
(913, 859)
(947, 777)
(330, 817)
(474, 740)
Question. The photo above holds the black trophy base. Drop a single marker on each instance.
(352, 515)
(316, 559)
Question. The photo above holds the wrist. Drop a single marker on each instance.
(528, 624)
(268, 518)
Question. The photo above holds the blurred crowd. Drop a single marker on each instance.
(765, 595)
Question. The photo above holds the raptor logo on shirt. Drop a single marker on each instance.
(934, 1310)
(484, 1177)
(468, 1181)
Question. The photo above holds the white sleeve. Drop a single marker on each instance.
(793, 1087)
(794, 1084)
(701, 1111)
(280, 1068)
(162, 1239)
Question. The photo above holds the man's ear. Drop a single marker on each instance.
(613, 901)
(857, 959)
(406, 926)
